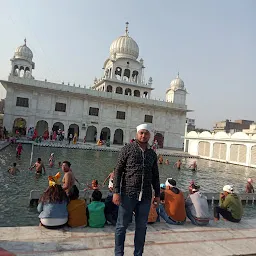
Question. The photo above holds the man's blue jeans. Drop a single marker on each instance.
(193, 220)
(161, 211)
(125, 211)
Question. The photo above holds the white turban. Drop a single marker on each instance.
(228, 188)
(170, 182)
(143, 127)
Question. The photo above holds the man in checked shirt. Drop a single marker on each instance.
(136, 173)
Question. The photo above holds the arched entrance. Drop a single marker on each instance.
(105, 134)
(160, 139)
(57, 126)
(41, 127)
(73, 128)
(118, 137)
(20, 126)
(91, 134)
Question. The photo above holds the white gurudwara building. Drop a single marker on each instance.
(110, 109)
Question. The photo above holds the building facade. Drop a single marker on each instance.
(238, 148)
(110, 109)
(232, 127)
(191, 124)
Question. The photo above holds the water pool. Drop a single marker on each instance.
(88, 165)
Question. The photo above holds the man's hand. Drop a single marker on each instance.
(116, 199)
(156, 201)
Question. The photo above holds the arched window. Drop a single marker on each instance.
(145, 94)
(119, 90)
(126, 75)
(128, 91)
(109, 88)
(135, 76)
(22, 71)
(137, 93)
(16, 70)
(27, 72)
(118, 73)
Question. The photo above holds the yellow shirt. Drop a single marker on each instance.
(77, 213)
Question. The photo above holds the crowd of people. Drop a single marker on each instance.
(134, 190)
(60, 204)
(178, 164)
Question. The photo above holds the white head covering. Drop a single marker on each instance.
(143, 127)
(52, 154)
(228, 188)
(167, 183)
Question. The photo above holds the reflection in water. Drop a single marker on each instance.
(88, 165)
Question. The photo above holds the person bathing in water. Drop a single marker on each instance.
(95, 185)
(13, 170)
(68, 179)
(160, 159)
(51, 160)
(111, 180)
(18, 150)
(193, 166)
(178, 164)
(39, 165)
(249, 187)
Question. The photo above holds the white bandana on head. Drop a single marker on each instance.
(228, 188)
(143, 127)
(167, 183)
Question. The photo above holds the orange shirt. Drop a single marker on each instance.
(175, 205)
(152, 216)
(77, 213)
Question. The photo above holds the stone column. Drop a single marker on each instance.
(211, 149)
(228, 152)
(248, 154)
(98, 134)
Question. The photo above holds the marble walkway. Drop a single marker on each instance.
(221, 238)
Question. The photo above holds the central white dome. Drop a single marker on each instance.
(23, 52)
(124, 46)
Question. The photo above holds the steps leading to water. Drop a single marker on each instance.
(87, 146)
(211, 197)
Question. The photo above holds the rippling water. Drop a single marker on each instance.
(88, 165)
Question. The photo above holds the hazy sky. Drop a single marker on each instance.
(211, 43)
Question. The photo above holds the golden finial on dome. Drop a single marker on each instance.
(126, 28)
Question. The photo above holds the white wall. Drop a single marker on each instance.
(166, 119)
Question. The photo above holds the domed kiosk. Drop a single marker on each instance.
(22, 61)
(177, 92)
(123, 72)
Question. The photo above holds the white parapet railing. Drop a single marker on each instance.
(95, 93)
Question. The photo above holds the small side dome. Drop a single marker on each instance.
(23, 52)
(177, 83)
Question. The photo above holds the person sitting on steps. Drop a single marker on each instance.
(230, 205)
(172, 207)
